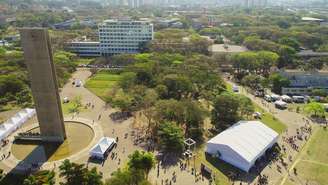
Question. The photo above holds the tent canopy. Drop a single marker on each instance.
(15, 122)
(243, 143)
(103, 145)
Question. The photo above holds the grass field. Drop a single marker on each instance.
(267, 117)
(270, 120)
(102, 82)
(66, 107)
(313, 166)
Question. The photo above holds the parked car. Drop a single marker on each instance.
(275, 97)
(267, 98)
(280, 104)
(235, 88)
(298, 99)
(286, 99)
(66, 100)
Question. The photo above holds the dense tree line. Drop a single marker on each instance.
(14, 79)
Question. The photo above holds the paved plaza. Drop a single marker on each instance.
(104, 126)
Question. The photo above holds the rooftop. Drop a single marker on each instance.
(225, 48)
(247, 138)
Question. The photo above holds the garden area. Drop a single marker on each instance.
(101, 83)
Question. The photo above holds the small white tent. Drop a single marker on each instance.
(103, 145)
(242, 144)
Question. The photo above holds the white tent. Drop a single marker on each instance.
(242, 144)
(103, 145)
(15, 122)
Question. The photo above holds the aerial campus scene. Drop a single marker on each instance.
(163, 92)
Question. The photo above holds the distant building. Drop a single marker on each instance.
(115, 37)
(123, 36)
(84, 48)
(312, 19)
(303, 82)
(226, 48)
(4, 43)
(311, 54)
(66, 24)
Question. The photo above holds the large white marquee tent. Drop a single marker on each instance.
(15, 122)
(100, 149)
(243, 143)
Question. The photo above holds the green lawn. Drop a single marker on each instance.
(66, 107)
(102, 82)
(314, 173)
(270, 120)
(313, 166)
(318, 147)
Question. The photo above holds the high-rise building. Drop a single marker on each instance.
(115, 37)
(123, 36)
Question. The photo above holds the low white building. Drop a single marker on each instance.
(243, 143)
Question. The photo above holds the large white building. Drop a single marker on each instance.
(123, 36)
(243, 143)
(115, 37)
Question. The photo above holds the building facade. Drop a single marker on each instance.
(123, 36)
(115, 37)
(84, 48)
(303, 82)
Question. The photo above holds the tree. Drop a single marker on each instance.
(93, 177)
(170, 137)
(143, 161)
(225, 110)
(77, 105)
(252, 81)
(286, 54)
(278, 82)
(266, 60)
(78, 174)
(41, 178)
(194, 116)
(122, 100)
(73, 173)
(291, 42)
(246, 107)
(177, 85)
(319, 92)
(169, 110)
(126, 177)
(162, 91)
(120, 177)
(127, 80)
(283, 24)
(315, 109)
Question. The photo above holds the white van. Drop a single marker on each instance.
(298, 99)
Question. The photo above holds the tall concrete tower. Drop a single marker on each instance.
(38, 58)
